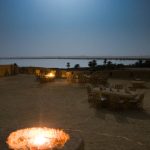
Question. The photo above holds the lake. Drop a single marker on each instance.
(54, 63)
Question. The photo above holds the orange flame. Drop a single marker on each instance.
(37, 138)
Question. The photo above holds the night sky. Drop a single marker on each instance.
(74, 27)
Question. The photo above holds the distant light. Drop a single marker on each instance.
(50, 75)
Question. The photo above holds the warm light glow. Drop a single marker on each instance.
(50, 75)
(38, 138)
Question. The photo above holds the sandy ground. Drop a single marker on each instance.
(26, 103)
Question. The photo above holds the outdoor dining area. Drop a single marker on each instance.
(114, 98)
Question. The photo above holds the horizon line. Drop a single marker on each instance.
(81, 57)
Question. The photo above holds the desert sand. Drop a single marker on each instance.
(26, 103)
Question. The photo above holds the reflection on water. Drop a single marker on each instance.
(54, 63)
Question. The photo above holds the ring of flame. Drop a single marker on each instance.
(38, 138)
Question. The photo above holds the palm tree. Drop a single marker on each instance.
(68, 65)
(105, 61)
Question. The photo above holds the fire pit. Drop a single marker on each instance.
(44, 139)
(37, 139)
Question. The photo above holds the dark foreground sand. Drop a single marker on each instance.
(26, 103)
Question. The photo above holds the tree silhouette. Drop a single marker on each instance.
(105, 61)
(92, 64)
(140, 63)
(68, 65)
(76, 66)
(109, 63)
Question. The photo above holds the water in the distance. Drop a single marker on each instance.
(54, 63)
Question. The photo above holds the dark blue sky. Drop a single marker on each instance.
(74, 27)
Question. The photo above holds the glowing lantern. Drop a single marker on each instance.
(37, 139)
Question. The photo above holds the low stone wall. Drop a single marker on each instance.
(121, 73)
(130, 74)
(7, 70)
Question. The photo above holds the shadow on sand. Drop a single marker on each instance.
(123, 116)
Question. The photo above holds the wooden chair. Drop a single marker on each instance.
(118, 86)
(113, 102)
(104, 101)
(94, 98)
(137, 102)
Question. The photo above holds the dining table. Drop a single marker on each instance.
(138, 83)
(122, 94)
